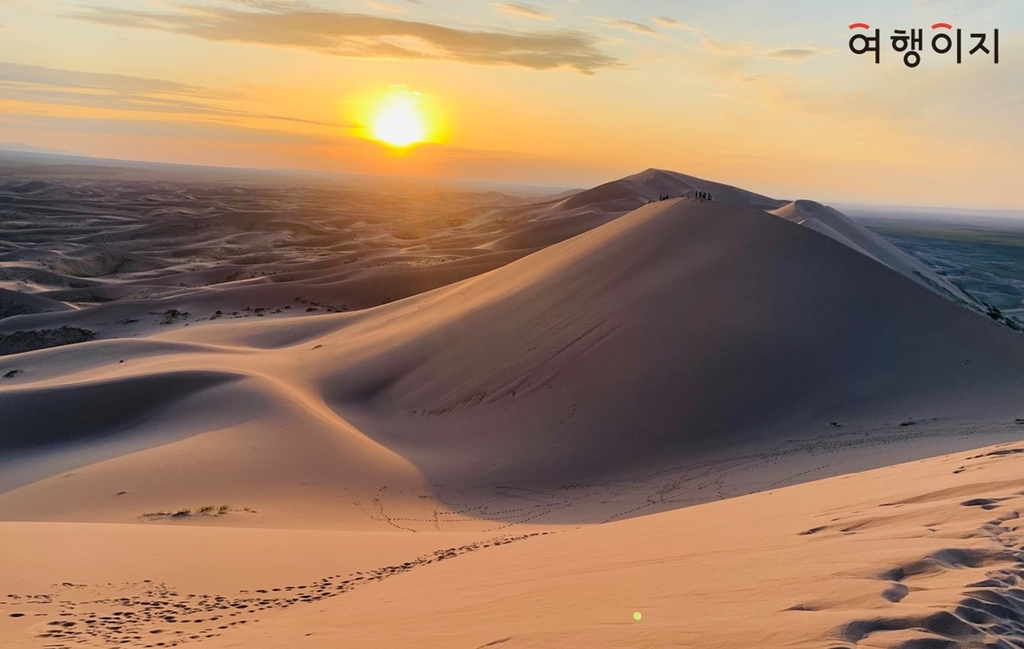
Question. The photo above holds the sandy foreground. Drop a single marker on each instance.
(883, 558)
(601, 420)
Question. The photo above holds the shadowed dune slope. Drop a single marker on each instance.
(14, 303)
(680, 327)
(833, 223)
(39, 417)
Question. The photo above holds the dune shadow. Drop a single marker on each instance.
(49, 430)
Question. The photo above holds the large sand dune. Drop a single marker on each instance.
(681, 326)
(675, 334)
(477, 367)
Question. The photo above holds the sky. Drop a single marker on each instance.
(761, 94)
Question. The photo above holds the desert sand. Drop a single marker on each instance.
(255, 416)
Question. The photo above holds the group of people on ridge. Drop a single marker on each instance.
(701, 196)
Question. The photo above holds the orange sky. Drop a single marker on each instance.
(566, 92)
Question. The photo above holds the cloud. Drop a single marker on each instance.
(51, 86)
(522, 10)
(665, 21)
(629, 25)
(794, 53)
(756, 50)
(768, 78)
(168, 129)
(39, 75)
(362, 36)
(731, 48)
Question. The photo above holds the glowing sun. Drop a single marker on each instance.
(399, 121)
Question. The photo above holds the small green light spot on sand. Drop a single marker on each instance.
(637, 616)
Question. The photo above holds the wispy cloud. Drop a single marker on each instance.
(671, 23)
(665, 21)
(43, 76)
(757, 50)
(169, 129)
(795, 53)
(521, 9)
(362, 36)
(629, 25)
(52, 86)
(731, 48)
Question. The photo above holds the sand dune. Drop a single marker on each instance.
(122, 259)
(670, 337)
(671, 333)
(344, 368)
(83, 410)
(836, 225)
(681, 326)
(17, 303)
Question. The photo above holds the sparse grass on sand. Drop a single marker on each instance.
(205, 510)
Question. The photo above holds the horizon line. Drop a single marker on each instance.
(42, 152)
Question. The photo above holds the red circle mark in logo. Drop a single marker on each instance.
(942, 25)
(860, 26)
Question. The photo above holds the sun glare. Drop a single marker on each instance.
(399, 121)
